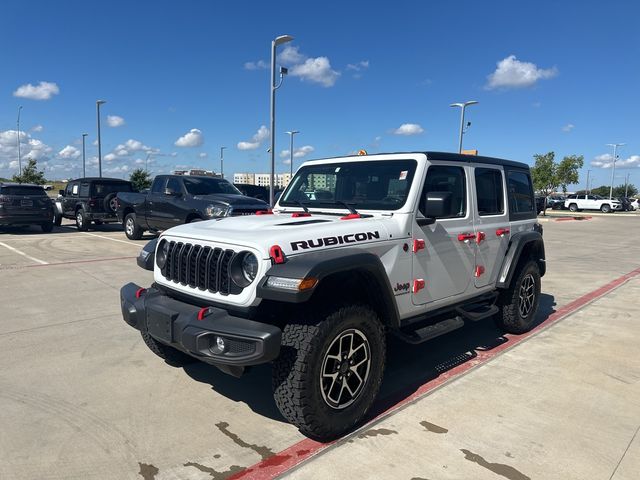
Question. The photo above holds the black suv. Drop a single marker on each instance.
(24, 204)
(92, 200)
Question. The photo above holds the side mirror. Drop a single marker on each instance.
(437, 204)
(171, 192)
(61, 193)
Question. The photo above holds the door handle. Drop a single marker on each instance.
(463, 237)
(480, 236)
(501, 232)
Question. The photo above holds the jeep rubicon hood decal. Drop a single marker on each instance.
(338, 240)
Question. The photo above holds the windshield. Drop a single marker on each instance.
(208, 186)
(367, 185)
(101, 189)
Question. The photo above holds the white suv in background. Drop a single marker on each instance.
(575, 203)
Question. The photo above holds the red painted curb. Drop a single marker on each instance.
(564, 219)
(78, 261)
(304, 450)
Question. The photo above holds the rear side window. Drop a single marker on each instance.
(22, 190)
(174, 184)
(442, 178)
(84, 189)
(520, 193)
(158, 185)
(102, 189)
(489, 191)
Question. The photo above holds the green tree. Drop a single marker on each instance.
(567, 171)
(30, 174)
(140, 179)
(545, 175)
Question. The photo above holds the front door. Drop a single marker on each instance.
(444, 252)
(491, 223)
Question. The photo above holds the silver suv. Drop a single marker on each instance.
(409, 244)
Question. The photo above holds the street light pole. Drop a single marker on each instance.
(588, 173)
(613, 171)
(98, 103)
(291, 134)
(462, 106)
(222, 162)
(84, 169)
(19, 157)
(273, 87)
(626, 184)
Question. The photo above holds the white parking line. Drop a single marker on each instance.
(34, 259)
(113, 239)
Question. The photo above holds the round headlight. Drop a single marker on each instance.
(244, 269)
(249, 267)
(162, 253)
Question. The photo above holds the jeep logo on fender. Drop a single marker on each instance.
(402, 288)
(339, 240)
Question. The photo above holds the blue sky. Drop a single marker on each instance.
(182, 79)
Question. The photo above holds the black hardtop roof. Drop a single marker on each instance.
(14, 184)
(95, 179)
(188, 176)
(451, 157)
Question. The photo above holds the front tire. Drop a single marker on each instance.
(169, 354)
(605, 208)
(519, 303)
(131, 228)
(82, 223)
(329, 373)
(573, 207)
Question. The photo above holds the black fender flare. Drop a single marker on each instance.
(517, 244)
(320, 265)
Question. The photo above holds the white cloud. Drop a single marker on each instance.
(42, 91)
(297, 153)
(261, 135)
(568, 127)
(606, 161)
(317, 70)
(118, 169)
(290, 55)
(110, 157)
(259, 65)
(358, 67)
(69, 152)
(29, 147)
(203, 154)
(512, 73)
(37, 128)
(115, 121)
(193, 138)
(408, 129)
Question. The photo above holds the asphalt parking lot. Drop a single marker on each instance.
(81, 397)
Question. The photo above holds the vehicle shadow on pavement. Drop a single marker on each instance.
(408, 366)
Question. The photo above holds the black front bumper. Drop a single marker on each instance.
(176, 323)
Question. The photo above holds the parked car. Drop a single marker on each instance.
(540, 204)
(90, 199)
(25, 204)
(575, 203)
(635, 204)
(255, 191)
(555, 202)
(177, 199)
(626, 204)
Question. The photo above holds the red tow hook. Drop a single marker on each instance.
(203, 313)
(351, 216)
(140, 292)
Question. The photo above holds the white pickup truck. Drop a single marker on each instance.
(575, 203)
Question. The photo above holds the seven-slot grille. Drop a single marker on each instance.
(205, 268)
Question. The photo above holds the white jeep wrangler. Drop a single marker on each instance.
(409, 244)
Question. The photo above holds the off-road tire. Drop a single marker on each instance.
(110, 203)
(47, 227)
(82, 224)
(510, 318)
(573, 207)
(132, 230)
(169, 354)
(605, 208)
(297, 371)
(57, 219)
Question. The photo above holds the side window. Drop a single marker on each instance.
(68, 190)
(74, 189)
(158, 185)
(84, 190)
(591, 197)
(174, 184)
(489, 191)
(451, 180)
(520, 193)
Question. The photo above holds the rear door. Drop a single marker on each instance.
(155, 198)
(491, 223)
(444, 255)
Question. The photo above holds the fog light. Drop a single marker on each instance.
(220, 344)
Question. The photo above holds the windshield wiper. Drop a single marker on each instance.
(352, 210)
(302, 205)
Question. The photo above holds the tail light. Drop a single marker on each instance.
(5, 200)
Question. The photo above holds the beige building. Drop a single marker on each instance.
(262, 179)
(244, 178)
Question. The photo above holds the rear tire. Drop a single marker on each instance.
(169, 354)
(81, 221)
(329, 373)
(605, 208)
(519, 303)
(57, 219)
(573, 207)
(131, 228)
